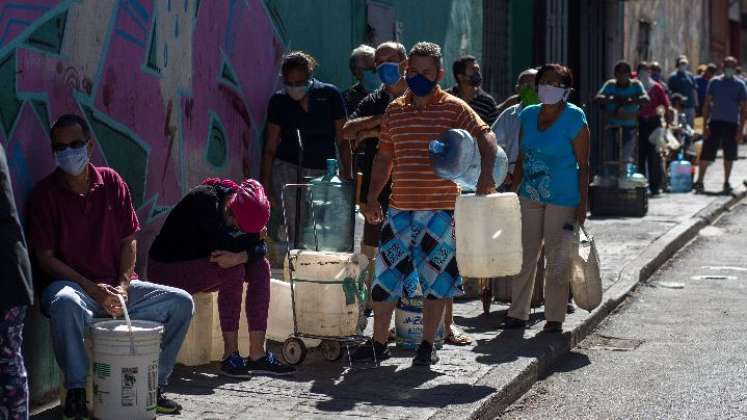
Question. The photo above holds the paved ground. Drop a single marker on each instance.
(670, 353)
(466, 377)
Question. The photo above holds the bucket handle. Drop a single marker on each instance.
(129, 323)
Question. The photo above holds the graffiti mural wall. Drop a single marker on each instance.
(174, 90)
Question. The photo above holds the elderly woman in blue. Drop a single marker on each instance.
(552, 175)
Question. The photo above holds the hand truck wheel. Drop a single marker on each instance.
(331, 350)
(294, 351)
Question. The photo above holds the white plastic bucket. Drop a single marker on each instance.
(408, 324)
(126, 369)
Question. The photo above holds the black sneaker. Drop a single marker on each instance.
(75, 405)
(553, 327)
(510, 323)
(365, 352)
(269, 365)
(727, 188)
(698, 188)
(234, 366)
(165, 405)
(425, 355)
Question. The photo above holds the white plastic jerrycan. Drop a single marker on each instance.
(488, 235)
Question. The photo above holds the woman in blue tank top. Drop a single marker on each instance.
(551, 178)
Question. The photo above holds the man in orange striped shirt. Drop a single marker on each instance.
(417, 239)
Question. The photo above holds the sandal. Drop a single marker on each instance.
(457, 337)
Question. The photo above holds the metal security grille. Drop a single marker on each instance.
(496, 60)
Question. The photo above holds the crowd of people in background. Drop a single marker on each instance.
(379, 130)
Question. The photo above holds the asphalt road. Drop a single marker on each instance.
(669, 352)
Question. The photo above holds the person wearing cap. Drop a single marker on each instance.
(683, 82)
(82, 226)
(508, 125)
(212, 240)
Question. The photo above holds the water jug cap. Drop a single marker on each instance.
(437, 147)
(331, 166)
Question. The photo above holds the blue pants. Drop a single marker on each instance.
(72, 310)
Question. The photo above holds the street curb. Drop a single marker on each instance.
(631, 275)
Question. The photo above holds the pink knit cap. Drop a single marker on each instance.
(249, 205)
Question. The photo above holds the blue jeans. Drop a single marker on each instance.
(71, 310)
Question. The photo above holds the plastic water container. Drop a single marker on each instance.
(488, 235)
(332, 204)
(681, 180)
(456, 157)
(408, 324)
(280, 314)
(126, 369)
(329, 292)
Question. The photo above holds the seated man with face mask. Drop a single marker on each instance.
(82, 228)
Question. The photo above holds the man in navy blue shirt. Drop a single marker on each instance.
(683, 82)
(724, 114)
(316, 111)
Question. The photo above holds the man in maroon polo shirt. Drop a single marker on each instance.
(82, 229)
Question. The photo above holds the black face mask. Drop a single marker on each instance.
(476, 79)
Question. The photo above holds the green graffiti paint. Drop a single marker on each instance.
(216, 152)
(152, 61)
(42, 112)
(48, 36)
(10, 105)
(123, 152)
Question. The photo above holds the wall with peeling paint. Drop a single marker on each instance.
(175, 91)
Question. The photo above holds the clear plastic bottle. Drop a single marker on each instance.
(332, 204)
(456, 157)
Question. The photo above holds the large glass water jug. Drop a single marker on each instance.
(331, 214)
(455, 156)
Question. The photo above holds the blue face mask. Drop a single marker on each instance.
(389, 73)
(72, 161)
(370, 80)
(420, 85)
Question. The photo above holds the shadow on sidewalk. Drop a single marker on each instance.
(487, 323)
(393, 386)
(511, 345)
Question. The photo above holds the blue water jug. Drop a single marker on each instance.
(332, 211)
(681, 175)
(456, 157)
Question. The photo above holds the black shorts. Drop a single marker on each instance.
(724, 135)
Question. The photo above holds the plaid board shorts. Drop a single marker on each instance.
(417, 248)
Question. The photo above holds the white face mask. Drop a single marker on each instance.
(644, 76)
(682, 67)
(72, 161)
(550, 95)
(298, 92)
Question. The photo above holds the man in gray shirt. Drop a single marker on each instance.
(724, 112)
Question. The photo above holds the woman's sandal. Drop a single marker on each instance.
(457, 337)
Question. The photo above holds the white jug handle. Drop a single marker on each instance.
(129, 323)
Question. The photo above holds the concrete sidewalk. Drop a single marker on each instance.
(477, 381)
